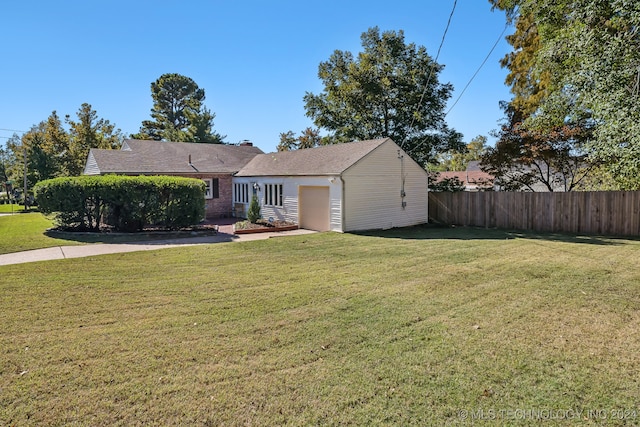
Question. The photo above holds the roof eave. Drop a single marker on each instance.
(284, 175)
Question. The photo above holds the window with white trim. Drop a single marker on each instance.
(241, 192)
(273, 195)
(212, 188)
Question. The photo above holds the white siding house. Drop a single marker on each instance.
(344, 187)
(292, 186)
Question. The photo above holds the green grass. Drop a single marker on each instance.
(418, 327)
(22, 232)
(12, 208)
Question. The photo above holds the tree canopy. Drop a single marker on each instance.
(574, 58)
(454, 160)
(53, 151)
(87, 132)
(527, 159)
(178, 112)
(390, 89)
(309, 138)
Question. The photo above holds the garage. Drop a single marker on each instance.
(313, 208)
(362, 185)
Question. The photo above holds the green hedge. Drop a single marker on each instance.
(127, 203)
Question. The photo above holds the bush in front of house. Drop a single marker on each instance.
(253, 214)
(126, 203)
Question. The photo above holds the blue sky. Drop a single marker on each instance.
(254, 59)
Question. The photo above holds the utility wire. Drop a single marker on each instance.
(478, 70)
(469, 82)
(433, 63)
(13, 130)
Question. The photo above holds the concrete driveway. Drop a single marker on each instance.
(225, 234)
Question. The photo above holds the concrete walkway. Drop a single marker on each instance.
(92, 249)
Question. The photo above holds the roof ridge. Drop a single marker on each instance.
(331, 159)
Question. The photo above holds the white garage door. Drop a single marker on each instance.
(313, 208)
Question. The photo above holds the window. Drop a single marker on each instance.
(273, 194)
(212, 188)
(241, 193)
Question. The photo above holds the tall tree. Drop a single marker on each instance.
(52, 151)
(588, 50)
(201, 127)
(89, 131)
(8, 164)
(42, 160)
(178, 113)
(45, 146)
(309, 138)
(457, 160)
(57, 143)
(529, 85)
(528, 159)
(288, 141)
(390, 89)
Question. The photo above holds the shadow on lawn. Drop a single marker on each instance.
(435, 231)
(143, 238)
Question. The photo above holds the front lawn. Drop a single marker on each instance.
(13, 208)
(23, 232)
(411, 327)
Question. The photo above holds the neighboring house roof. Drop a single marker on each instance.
(533, 173)
(325, 160)
(156, 157)
(471, 179)
(473, 165)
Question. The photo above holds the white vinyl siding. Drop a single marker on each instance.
(373, 189)
(372, 193)
(290, 184)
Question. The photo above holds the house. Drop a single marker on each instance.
(215, 164)
(343, 187)
(473, 178)
(538, 177)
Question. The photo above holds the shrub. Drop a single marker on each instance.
(253, 215)
(66, 197)
(123, 202)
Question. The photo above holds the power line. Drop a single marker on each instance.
(478, 70)
(13, 130)
(469, 82)
(433, 63)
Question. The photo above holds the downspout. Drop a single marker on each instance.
(403, 203)
(342, 207)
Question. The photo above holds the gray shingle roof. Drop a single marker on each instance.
(325, 160)
(156, 157)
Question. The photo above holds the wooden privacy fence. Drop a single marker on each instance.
(576, 212)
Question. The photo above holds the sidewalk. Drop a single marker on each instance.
(92, 249)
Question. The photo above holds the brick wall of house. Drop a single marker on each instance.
(223, 205)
